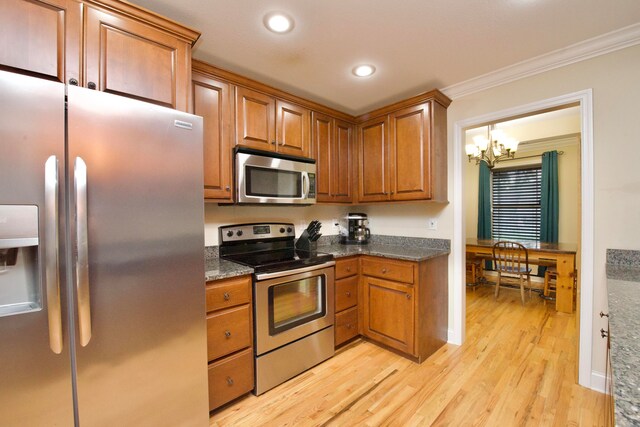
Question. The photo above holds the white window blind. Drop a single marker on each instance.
(516, 203)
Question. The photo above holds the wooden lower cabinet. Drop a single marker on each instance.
(404, 304)
(229, 339)
(346, 324)
(388, 313)
(230, 377)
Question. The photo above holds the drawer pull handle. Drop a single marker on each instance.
(226, 296)
(229, 380)
(384, 270)
(408, 296)
(348, 293)
(349, 326)
(227, 334)
(603, 314)
(603, 333)
(349, 269)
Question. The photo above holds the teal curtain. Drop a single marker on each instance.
(484, 205)
(549, 201)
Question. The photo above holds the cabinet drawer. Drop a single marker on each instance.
(346, 326)
(346, 293)
(228, 331)
(228, 293)
(346, 267)
(230, 377)
(388, 269)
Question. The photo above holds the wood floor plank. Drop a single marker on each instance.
(516, 367)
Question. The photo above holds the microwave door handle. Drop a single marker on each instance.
(305, 185)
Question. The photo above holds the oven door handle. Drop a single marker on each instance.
(276, 274)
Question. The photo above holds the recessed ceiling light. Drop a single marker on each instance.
(278, 22)
(364, 70)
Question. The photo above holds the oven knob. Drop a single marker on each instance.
(239, 233)
(289, 229)
(282, 229)
(229, 233)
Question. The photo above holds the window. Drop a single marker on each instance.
(516, 203)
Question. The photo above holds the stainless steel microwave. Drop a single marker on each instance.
(265, 177)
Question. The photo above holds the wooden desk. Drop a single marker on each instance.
(563, 254)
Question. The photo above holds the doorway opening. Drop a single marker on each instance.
(584, 308)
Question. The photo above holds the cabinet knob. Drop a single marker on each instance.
(226, 296)
(229, 380)
(604, 333)
(349, 269)
(408, 296)
(349, 326)
(603, 314)
(91, 85)
(274, 143)
(348, 293)
(227, 334)
(227, 188)
(73, 82)
(384, 271)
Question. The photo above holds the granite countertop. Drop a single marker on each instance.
(216, 268)
(623, 287)
(403, 248)
(383, 250)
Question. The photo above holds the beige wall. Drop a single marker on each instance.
(616, 89)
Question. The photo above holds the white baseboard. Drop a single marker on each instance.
(452, 338)
(598, 382)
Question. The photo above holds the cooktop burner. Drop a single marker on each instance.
(266, 247)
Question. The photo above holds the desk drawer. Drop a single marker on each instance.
(230, 377)
(228, 331)
(228, 293)
(399, 271)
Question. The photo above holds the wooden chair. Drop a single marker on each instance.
(512, 259)
(550, 278)
(474, 271)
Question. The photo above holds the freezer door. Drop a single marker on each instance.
(35, 363)
(136, 203)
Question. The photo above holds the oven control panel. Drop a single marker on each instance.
(255, 231)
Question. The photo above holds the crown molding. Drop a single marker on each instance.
(600, 45)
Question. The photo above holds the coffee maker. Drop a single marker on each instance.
(358, 233)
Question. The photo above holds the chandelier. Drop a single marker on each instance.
(491, 149)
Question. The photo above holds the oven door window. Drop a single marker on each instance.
(266, 182)
(295, 303)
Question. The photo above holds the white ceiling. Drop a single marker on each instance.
(416, 45)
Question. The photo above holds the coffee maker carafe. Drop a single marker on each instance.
(358, 233)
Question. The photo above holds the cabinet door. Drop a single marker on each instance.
(41, 38)
(129, 58)
(410, 153)
(373, 182)
(255, 119)
(388, 313)
(211, 100)
(342, 173)
(292, 129)
(322, 130)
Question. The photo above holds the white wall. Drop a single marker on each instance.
(616, 89)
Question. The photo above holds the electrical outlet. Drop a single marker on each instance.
(432, 224)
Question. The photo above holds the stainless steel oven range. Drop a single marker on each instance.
(293, 294)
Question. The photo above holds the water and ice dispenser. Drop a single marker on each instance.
(20, 289)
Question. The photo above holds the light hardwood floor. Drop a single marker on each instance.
(516, 367)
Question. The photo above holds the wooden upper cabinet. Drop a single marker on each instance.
(343, 159)
(373, 165)
(127, 57)
(332, 152)
(255, 119)
(292, 129)
(41, 38)
(410, 153)
(212, 100)
(322, 130)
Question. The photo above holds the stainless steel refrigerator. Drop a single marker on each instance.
(101, 260)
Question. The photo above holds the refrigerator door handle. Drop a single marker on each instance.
(82, 251)
(52, 259)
